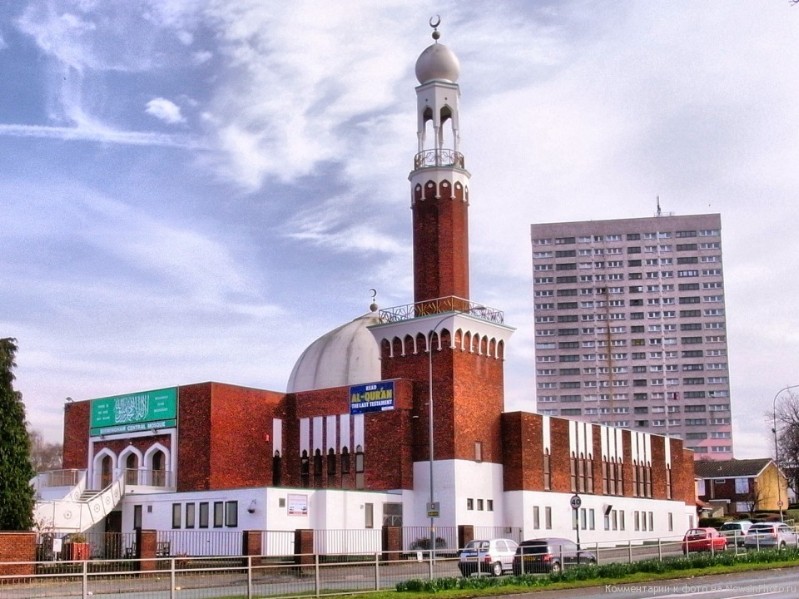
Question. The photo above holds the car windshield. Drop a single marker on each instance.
(730, 526)
(477, 546)
(761, 528)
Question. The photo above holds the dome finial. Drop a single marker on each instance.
(434, 23)
(373, 305)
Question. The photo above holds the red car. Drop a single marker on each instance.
(703, 539)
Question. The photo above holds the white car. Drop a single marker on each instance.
(735, 531)
(487, 556)
(770, 535)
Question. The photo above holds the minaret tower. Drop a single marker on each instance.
(439, 181)
(450, 347)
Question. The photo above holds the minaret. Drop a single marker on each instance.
(439, 183)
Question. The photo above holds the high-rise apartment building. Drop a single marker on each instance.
(630, 326)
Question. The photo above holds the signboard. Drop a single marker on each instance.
(297, 505)
(575, 502)
(373, 397)
(433, 509)
(134, 412)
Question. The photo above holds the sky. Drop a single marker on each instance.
(195, 190)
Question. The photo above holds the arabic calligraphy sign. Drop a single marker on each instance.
(134, 412)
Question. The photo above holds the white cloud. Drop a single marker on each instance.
(165, 110)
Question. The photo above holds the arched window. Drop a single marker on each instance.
(345, 460)
(159, 469)
(305, 467)
(277, 469)
(317, 468)
(106, 471)
(359, 468)
(547, 471)
(132, 469)
(331, 462)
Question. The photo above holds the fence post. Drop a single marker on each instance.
(172, 578)
(377, 571)
(660, 549)
(596, 551)
(317, 575)
(249, 577)
(629, 551)
(85, 578)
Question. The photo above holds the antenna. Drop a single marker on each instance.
(658, 204)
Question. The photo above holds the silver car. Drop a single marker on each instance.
(487, 556)
(735, 531)
(770, 535)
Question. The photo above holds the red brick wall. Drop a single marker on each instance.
(522, 451)
(559, 452)
(76, 435)
(17, 547)
(440, 242)
(194, 437)
(389, 439)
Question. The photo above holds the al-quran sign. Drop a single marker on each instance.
(374, 397)
(134, 412)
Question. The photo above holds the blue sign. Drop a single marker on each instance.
(373, 397)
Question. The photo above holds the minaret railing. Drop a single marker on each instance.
(439, 306)
(438, 157)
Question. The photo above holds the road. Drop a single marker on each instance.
(769, 584)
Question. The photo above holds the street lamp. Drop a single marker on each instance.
(431, 508)
(776, 444)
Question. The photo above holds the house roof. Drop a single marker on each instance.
(730, 468)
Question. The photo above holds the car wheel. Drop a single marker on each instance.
(496, 569)
(592, 561)
(555, 567)
(782, 545)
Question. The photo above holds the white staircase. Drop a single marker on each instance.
(79, 509)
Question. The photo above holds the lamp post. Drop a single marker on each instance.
(431, 507)
(777, 445)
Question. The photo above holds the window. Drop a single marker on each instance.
(219, 514)
(478, 451)
(136, 517)
(204, 514)
(190, 507)
(536, 517)
(176, 511)
(479, 505)
(489, 505)
(469, 503)
(231, 513)
(369, 515)
(548, 517)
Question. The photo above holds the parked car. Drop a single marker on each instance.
(550, 554)
(735, 532)
(703, 539)
(770, 535)
(487, 556)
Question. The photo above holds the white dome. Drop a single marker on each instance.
(437, 62)
(347, 355)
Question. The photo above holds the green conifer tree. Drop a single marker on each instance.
(16, 494)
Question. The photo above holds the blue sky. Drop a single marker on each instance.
(195, 190)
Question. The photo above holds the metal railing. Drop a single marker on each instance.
(271, 576)
(442, 305)
(438, 157)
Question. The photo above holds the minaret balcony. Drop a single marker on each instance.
(442, 305)
(437, 158)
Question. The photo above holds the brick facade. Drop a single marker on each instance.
(17, 548)
(440, 241)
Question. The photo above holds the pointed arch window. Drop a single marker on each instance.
(132, 469)
(345, 460)
(360, 473)
(277, 468)
(331, 462)
(317, 468)
(305, 469)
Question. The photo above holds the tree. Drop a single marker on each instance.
(16, 493)
(44, 456)
(787, 415)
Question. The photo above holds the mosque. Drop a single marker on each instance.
(393, 419)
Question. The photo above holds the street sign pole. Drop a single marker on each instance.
(576, 502)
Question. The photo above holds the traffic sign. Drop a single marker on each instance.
(575, 502)
(433, 510)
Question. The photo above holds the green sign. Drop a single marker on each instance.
(134, 412)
